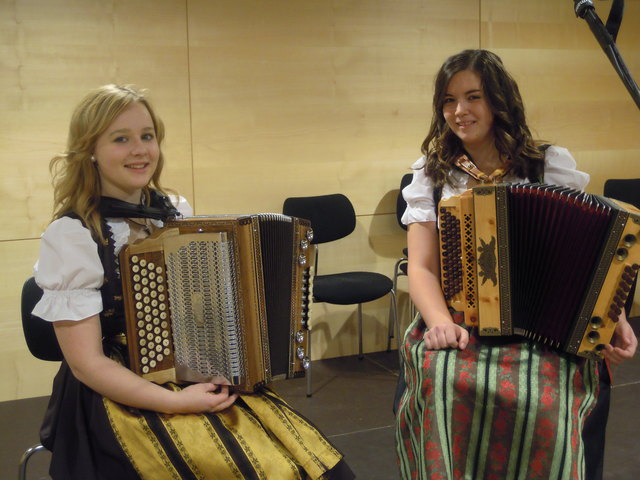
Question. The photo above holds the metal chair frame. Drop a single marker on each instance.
(26, 456)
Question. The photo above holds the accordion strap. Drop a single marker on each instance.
(160, 208)
(465, 164)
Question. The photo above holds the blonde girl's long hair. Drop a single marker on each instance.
(76, 181)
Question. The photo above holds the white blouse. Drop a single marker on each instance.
(559, 169)
(69, 270)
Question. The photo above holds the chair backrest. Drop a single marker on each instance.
(332, 216)
(39, 334)
(401, 205)
(626, 190)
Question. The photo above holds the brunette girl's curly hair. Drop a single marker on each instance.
(513, 139)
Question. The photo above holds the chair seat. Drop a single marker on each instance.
(351, 287)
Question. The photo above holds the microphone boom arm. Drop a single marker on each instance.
(584, 9)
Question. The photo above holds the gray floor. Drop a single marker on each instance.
(351, 403)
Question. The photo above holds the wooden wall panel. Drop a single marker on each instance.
(573, 95)
(295, 98)
(56, 51)
(52, 52)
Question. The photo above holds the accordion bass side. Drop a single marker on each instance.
(220, 299)
(545, 262)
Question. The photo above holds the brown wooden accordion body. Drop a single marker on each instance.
(221, 299)
(549, 263)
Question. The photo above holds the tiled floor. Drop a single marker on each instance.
(351, 403)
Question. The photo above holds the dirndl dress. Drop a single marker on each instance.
(93, 438)
(258, 437)
(493, 411)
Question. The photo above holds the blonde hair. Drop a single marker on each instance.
(76, 181)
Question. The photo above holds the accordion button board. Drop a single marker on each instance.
(549, 263)
(220, 299)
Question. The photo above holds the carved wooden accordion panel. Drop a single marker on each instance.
(545, 262)
(222, 299)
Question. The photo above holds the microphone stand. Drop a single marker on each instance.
(584, 9)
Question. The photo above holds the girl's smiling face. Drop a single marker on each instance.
(466, 110)
(127, 153)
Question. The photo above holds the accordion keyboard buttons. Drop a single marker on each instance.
(451, 253)
(593, 337)
(629, 240)
(153, 345)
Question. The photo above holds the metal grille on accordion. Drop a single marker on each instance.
(546, 262)
(221, 299)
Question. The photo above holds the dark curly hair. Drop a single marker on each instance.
(513, 139)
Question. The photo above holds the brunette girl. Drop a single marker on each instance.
(478, 407)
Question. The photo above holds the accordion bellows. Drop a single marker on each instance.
(219, 299)
(549, 263)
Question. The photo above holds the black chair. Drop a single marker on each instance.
(39, 334)
(42, 343)
(626, 190)
(332, 217)
(402, 264)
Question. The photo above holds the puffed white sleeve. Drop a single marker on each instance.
(69, 271)
(419, 197)
(560, 169)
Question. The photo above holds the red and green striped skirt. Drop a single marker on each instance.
(494, 411)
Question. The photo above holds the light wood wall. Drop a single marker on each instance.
(265, 99)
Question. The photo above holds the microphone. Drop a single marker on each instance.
(606, 38)
(582, 6)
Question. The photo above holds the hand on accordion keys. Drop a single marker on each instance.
(624, 343)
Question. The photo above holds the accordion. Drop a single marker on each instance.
(220, 299)
(549, 263)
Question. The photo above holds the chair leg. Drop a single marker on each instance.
(308, 372)
(360, 355)
(396, 322)
(22, 467)
(390, 326)
(396, 271)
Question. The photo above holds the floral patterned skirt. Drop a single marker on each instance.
(494, 411)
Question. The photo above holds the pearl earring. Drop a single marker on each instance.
(93, 159)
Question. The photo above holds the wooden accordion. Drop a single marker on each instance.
(220, 299)
(545, 262)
